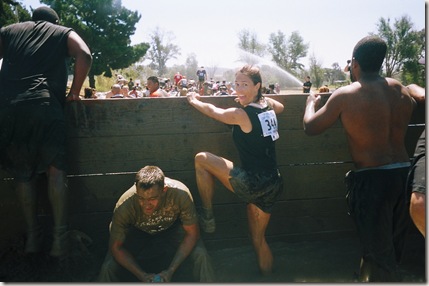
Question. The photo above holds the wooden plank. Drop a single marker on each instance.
(110, 140)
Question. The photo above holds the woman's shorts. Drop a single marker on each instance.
(259, 188)
(417, 175)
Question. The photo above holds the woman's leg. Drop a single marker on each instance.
(207, 167)
(258, 222)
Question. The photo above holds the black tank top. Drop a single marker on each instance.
(257, 153)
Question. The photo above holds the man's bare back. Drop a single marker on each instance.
(375, 113)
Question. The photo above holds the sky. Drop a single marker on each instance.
(210, 29)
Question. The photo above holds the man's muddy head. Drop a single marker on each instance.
(45, 13)
(369, 52)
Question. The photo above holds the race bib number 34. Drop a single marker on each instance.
(269, 125)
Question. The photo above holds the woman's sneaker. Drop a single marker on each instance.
(208, 225)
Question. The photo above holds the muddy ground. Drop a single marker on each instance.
(326, 261)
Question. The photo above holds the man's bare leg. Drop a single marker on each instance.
(27, 194)
(58, 196)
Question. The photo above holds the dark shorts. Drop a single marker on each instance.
(32, 138)
(259, 188)
(377, 202)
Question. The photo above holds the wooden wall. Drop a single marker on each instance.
(110, 140)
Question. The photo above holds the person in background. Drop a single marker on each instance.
(375, 112)
(323, 88)
(277, 88)
(115, 92)
(306, 87)
(89, 92)
(134, 93)
(347, 67)
(125, 91)
(223, 90)
(230, 89)
(33, 81)
(173, 92)
(271, 89)
(130, 84)
(177, 78)
(202, 77)
(153, 87)
(257, 181)
(417, 175)
(154, 223)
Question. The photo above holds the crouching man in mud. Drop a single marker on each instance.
(153, 222)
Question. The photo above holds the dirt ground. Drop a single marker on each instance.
(325, 261)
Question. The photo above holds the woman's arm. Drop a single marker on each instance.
(277, 106)
(232, 116)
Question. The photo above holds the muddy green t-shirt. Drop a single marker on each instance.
(178, 204)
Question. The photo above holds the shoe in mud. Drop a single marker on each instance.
(34, 240)
(208, 225)
(60, 243)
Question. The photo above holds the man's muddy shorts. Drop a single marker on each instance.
(32, 137)
(376, 202)
(259, 188)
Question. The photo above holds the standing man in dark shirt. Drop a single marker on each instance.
(202, 77)
(306, 85)
(33, 81)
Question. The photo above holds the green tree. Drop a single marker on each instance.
(161, 50)
(12, 12)
(106, 27)
(296, 50)
(248, 41)
(413, 71)
(336, 73)
(191, 65)
(278, 49)
(404, 45)
(286, 53)
(317, 73)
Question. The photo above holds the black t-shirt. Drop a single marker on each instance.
(201, 75)
(307, 86)
(34, 62)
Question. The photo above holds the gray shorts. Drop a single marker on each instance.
(259, 188)
(417, 175)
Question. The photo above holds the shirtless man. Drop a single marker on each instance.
(375, 112)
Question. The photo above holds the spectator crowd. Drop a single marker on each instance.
(164, 87)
